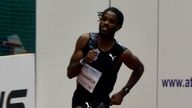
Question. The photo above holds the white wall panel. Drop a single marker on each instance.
(175, 53)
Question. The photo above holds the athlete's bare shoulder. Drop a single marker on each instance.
(82, 40)
(84, 36)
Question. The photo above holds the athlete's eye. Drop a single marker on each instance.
(112, 21)
(104, 19)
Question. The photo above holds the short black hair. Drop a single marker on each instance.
(120, 17)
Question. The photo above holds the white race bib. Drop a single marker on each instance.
(89, 77)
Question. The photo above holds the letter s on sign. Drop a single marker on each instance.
(16, 94)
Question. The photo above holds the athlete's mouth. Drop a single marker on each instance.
(104, 28)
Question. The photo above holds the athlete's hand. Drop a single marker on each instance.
(91, 56)
(117, 98)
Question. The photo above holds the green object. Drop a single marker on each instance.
(18, 17)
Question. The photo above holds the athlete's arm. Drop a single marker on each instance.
(74, 67)
(132, 62)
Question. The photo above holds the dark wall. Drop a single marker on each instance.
(18, 17)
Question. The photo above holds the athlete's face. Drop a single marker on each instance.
(108, 23)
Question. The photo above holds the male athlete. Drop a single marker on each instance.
(96, 61)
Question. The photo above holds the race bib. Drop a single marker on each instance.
(89, 77)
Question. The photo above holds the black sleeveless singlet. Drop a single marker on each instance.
(107, 63)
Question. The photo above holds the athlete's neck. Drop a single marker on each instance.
(106, 37)
(105, 43)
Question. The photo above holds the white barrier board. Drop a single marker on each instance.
(17, 81)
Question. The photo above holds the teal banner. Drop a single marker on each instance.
(17, 26)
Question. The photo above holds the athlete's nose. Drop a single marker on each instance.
(106, 22)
